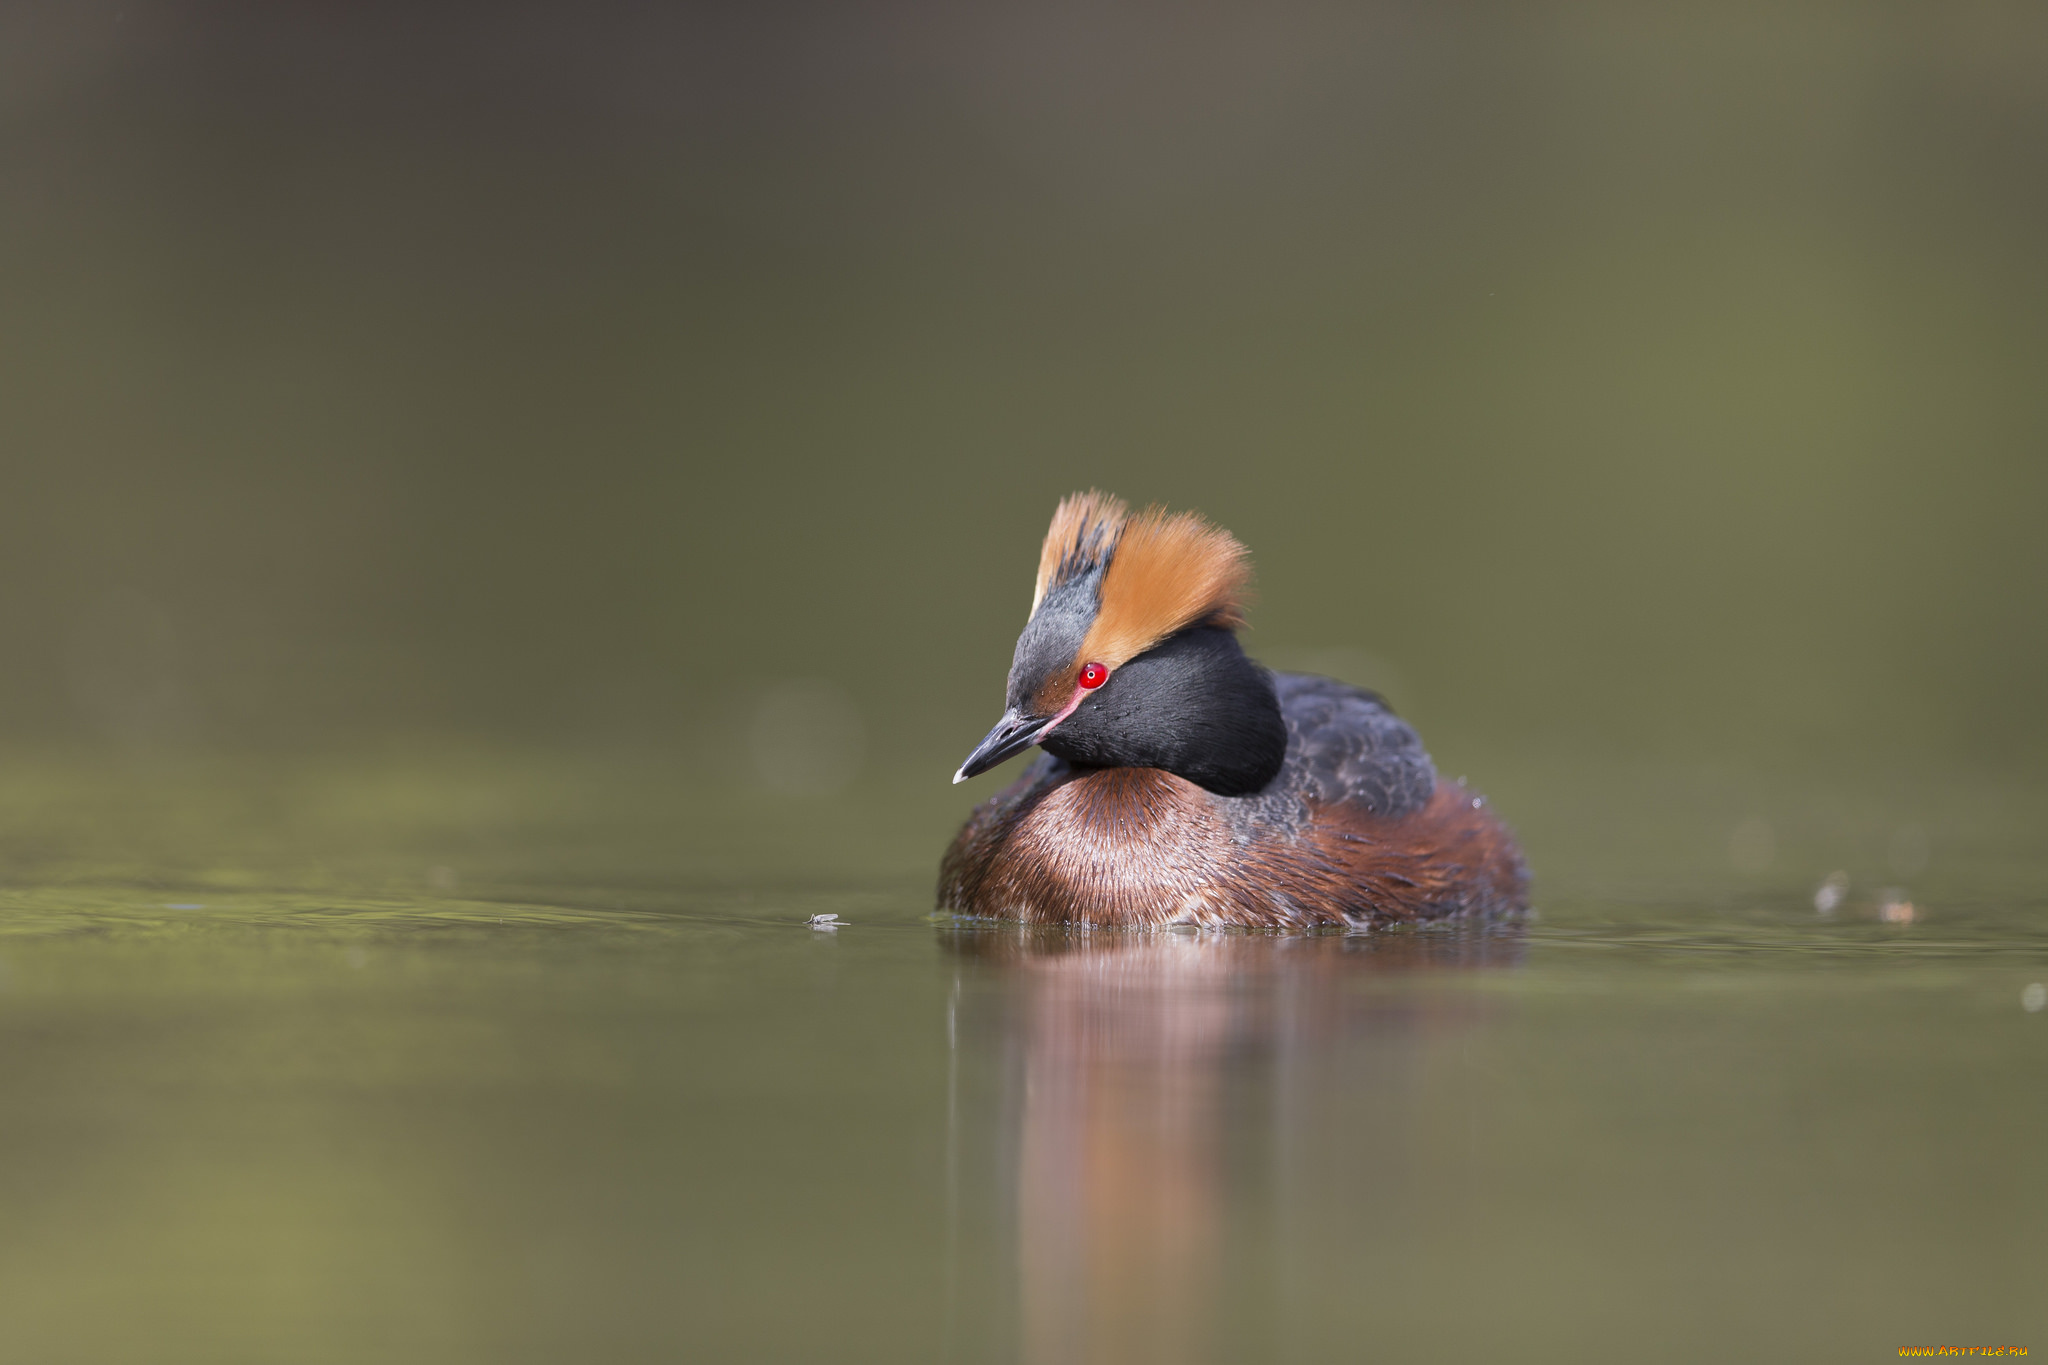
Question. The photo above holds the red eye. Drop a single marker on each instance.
(1093, 675)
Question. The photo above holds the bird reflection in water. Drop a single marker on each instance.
(1150, 1092)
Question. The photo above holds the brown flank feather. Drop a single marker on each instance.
(1139, 848)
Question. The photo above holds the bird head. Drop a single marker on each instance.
(1130, 655)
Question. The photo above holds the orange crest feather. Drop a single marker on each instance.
(1171, 570)
(1084, 530)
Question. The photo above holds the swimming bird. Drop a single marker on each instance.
(1182, 783)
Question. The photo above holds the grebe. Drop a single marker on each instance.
(1181, 782)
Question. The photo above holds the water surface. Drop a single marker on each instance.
(490, 1063)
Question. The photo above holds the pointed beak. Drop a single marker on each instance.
(1013, 734)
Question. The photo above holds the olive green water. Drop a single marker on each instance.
(508, 511)
(478, 1061)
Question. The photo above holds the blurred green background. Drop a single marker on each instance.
(1661, 382)
(506, 510)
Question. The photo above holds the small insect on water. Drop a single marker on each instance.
(824, 922)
